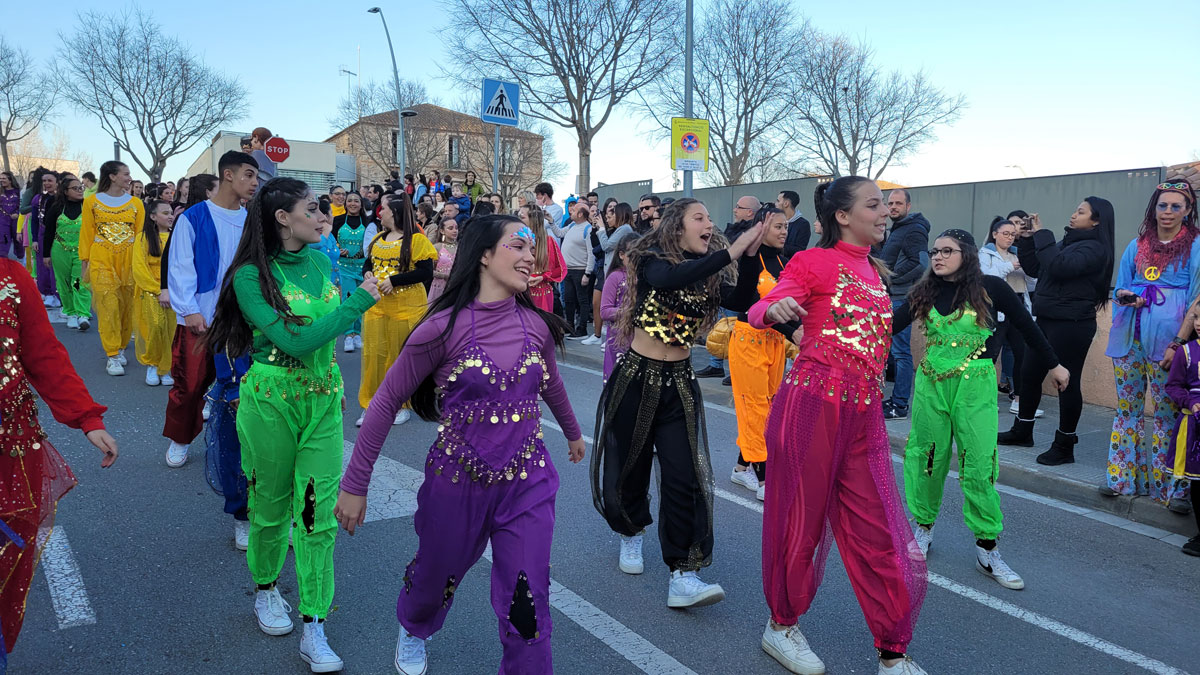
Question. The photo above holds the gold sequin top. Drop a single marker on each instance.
(109, 227)
(672, 300)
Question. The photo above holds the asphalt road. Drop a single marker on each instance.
(146, 579)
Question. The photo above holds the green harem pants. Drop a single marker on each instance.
(959, 409)
(292, 457)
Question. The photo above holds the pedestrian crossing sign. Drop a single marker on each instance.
(501, 102)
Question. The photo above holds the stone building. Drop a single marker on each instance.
(445, 140)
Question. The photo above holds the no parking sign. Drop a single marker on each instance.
(689, 144)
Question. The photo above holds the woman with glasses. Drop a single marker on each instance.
(1073, 277)
(1159, 275)
(998, 258)
(60, 233)
(959, 308)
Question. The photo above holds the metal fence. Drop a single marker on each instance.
(969, 206)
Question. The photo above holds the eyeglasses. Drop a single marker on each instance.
(1173, 208)
(647, 208)
(744, 208)
(943, 252)
(1172, 186)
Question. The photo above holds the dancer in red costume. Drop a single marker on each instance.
(827, 448)
(33, 476)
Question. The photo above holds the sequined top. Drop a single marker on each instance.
(31, 357)
(109, 226)
(491, 368)
(671, 297)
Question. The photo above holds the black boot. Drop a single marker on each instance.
(1062, 450)
(1021, 434)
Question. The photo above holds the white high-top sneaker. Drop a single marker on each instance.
(358, 341)
(746, 478)
(177, 454)
(152, 379)
(241, 534)
(403, 416)
(166, 380)
(315, 649)
(924, 538)
(121, 357)
(631, 554)
(905, 667)
(688, 590)
(411, 658)
(271, 612)
(790, 648)
(989, 563)
(361, 416)
(73, 322)
(114, 367)
(207, 411)
(349, 344)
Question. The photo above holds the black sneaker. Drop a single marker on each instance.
(1192, 547)
(895, 412)
(709, 371)
(578, 335)
(1181, 506)
(728, 381)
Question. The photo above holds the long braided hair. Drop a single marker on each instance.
(260, 242)
(1154, 253)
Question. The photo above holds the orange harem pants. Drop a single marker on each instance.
(831, 474)
(756, 362)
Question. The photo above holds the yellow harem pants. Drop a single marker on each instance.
(385, 328)
(110, 272)
(155, 332)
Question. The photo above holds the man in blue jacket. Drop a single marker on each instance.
(905, 252)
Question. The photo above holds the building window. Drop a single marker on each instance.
(454, 155)
(508, 157)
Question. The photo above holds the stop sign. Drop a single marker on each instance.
(277, 149)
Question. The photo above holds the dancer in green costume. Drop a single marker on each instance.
(954, 400)
(282, 308)
(61, 226)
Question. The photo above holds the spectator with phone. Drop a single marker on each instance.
(1073, 277)
(998, 258)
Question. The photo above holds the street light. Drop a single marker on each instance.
(400, 114)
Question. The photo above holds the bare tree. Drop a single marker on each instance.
(575, 60)
(745, 56)
(27, 97)
(856, 119)
(524, 161)
(369, 117)
(32, 151)
(149, 91)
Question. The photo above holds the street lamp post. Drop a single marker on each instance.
(687, 86)
(400, 114)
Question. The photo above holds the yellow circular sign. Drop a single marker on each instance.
(1152, 274)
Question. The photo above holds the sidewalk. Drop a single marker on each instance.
(1075, 483)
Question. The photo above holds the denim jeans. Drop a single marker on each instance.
(902, 355)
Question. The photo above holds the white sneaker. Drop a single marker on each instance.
(207, 412)
(241, 534)
(906, 667)
(361, 416)
(315, 650)
(989, 563)
(746, 478)
(358, 341)
(73, 322)
(349, 344)
(631, 554)
(590, 340)
(271, 611)
(790, 648)
(402, 416)
(114, 367)
(167, 380)
(924, 538)
(411, 658)
(84, 323)
(761, 492)
(177, 455)
(688, 590)
(121, 357)
(152, 379)
(1015, 409)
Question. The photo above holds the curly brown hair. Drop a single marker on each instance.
(663, 243)
(969, 291)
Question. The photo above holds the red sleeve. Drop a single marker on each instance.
(556, 266)
(793, 281)
(46, 362)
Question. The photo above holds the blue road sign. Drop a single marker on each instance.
(501, 103)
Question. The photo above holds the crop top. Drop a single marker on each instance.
(671, 300)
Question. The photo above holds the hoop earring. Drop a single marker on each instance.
(287, 238)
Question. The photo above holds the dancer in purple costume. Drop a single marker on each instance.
(477, 364)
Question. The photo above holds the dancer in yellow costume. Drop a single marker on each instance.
(402, 260)
(155, 318)
(111, 218)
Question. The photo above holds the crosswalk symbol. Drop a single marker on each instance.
(500, 105)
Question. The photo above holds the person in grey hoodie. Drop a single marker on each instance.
(905, 253)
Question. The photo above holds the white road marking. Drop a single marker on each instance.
(396, 484)
(1031, 618)
(67, 592)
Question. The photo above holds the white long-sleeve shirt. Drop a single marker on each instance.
(181, 268)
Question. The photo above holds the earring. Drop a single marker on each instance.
(289, 236)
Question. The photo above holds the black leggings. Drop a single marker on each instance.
(760, 468)
(1196, 503)
(1010, 338)
(1071, 341)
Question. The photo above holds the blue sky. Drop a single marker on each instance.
(1054, 87)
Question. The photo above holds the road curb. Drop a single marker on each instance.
(1031, 479)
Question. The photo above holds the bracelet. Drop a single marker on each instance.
(1178, 341)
